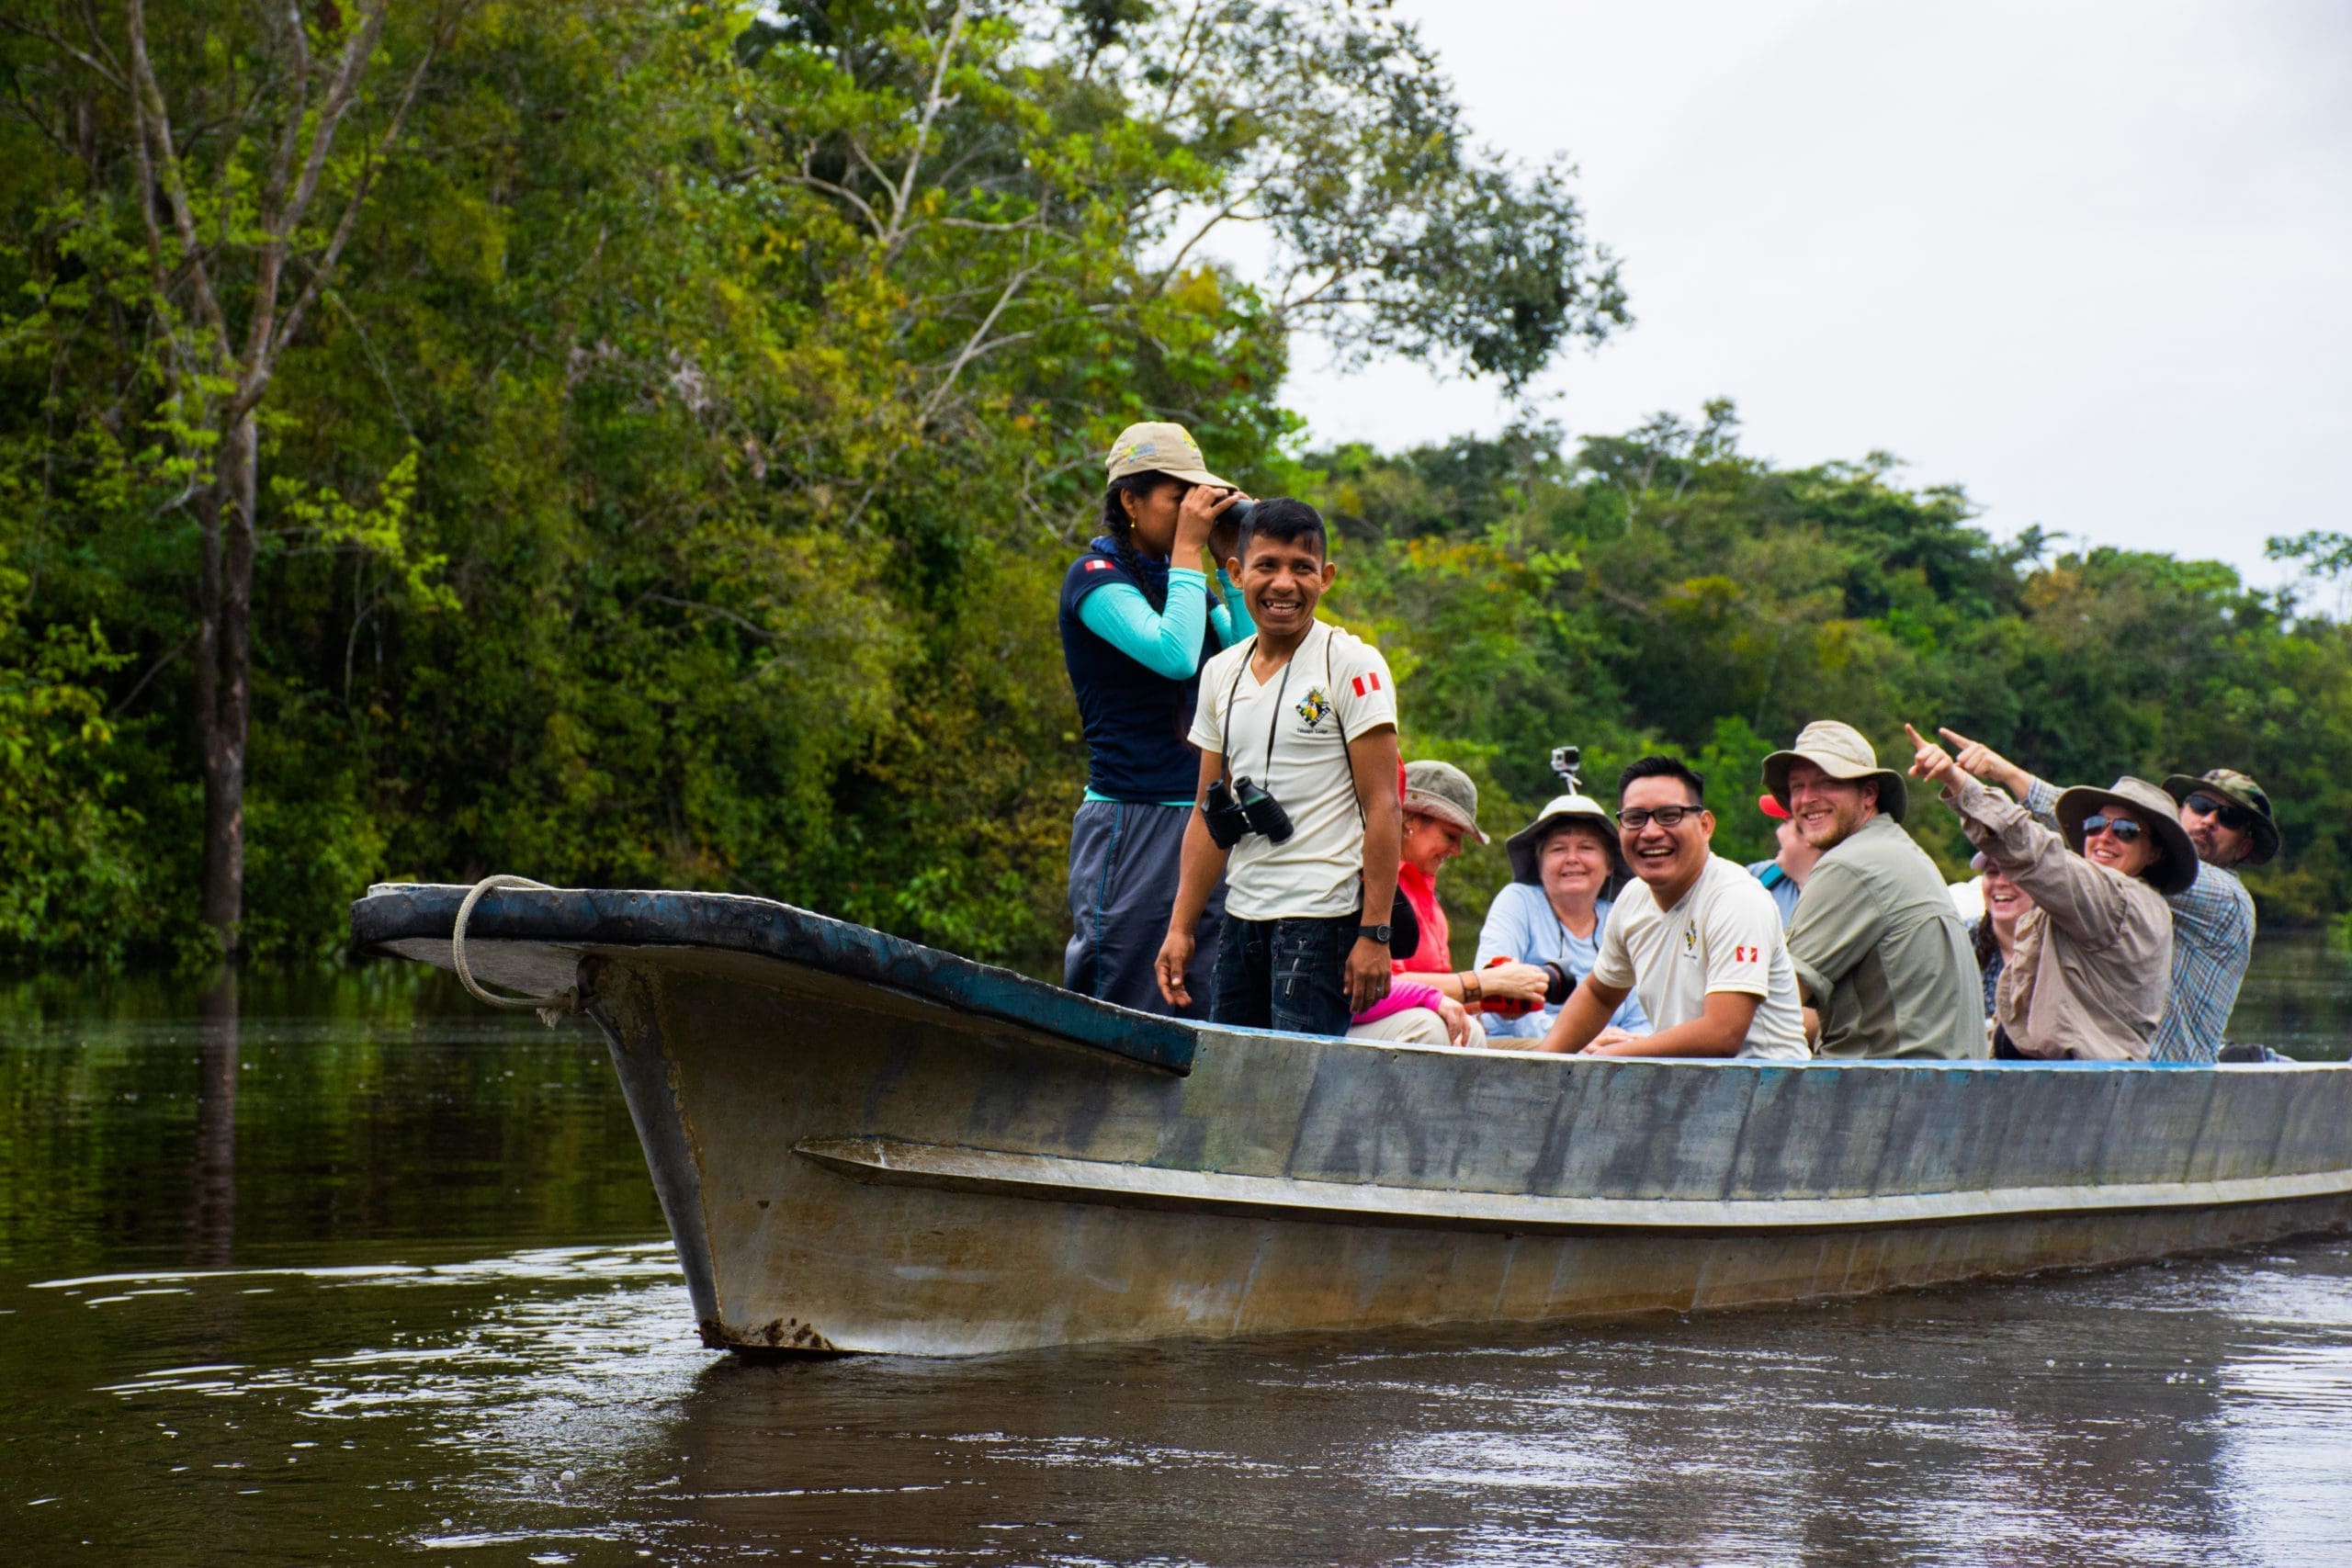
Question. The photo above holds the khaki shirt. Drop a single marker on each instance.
(1881, 955)
(2094, 957)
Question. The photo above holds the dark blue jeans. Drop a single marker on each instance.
(1284, 974)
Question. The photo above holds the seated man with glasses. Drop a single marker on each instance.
(2227, 818)
(1696, 936)
(2092, 960)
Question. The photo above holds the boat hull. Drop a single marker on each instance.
(849, 1165)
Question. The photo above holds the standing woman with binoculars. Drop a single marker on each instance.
(1138, 619)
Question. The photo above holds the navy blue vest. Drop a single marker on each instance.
(1136, 720)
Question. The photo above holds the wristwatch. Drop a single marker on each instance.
(1375, 933)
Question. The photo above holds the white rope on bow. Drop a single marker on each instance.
(550, 1009)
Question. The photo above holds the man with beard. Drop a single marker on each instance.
(1881, 954)
(2228, 820)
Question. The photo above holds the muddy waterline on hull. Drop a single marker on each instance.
(404, 1297)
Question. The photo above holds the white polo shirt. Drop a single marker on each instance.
(1723, 935)
(1285, 736)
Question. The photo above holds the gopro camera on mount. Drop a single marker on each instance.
(1566, 762)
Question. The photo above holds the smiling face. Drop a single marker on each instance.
(1572, 864)
(1825, 810)
(1668, 859)
(1430, 841)
(1282, 580)
(2109, 849)
(2005, 901)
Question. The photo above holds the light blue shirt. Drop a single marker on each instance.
(1780, 885)
(1520, 924)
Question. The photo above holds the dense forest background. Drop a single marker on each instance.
(638, 445)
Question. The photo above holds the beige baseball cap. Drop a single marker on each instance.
(1161, 449)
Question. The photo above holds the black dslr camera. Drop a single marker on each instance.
(1245, 808)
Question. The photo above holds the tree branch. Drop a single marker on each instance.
(260, 352)
(155, 125)
(933, 104)
(324, 269)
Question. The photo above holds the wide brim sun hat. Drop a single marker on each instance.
(2154, 809)
(1445, 792)
(1160, 448)
(1524, 844)
(2239, 790)
(1841, 752)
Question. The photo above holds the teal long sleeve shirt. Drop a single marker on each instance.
(1165, 642)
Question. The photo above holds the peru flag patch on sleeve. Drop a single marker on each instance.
(1361, 683)
(1098, 566)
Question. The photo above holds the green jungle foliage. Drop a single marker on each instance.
(672, 483)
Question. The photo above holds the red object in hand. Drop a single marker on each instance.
(1505, 1007)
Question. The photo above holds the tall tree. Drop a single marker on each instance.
(244, 142)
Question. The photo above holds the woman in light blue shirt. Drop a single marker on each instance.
(1553, 911)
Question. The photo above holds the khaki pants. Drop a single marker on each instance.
(1415, 1026)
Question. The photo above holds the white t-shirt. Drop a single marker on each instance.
(1333, 681)
(1723, 935)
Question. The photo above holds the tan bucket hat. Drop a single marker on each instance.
(1445, 792)
(1523, 844)
(2153, 807)
(1840, 750)
(1161, 449)
(2240, 791)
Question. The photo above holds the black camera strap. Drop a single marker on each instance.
(1274, 721)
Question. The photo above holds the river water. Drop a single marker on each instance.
(371, 1275)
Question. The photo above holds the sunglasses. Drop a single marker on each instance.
(2125, 830)
(2234, 817)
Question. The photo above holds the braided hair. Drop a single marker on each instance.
(1121, 529)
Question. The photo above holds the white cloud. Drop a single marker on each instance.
(2087, 260)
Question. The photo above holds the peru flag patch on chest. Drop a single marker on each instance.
(1367, 682)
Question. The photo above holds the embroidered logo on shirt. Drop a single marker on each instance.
(1361, 683)
(1312, 706)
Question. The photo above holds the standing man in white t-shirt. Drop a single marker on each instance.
(1304, 714)
(1696, 936)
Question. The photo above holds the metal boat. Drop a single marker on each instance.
(865, 1144)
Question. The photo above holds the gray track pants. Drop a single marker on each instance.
(1124, 860)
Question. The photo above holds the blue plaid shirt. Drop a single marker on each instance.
(2212, 940)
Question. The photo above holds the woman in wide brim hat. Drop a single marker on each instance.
(2092, 962)
(2155, 813)
(1841, 752)
(1556, 906)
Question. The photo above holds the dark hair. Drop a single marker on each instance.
(1121, 529)
(1987, 944)
(1663, 768)
(1286, 521)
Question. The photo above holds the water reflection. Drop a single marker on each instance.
(357, 1272)
(548, 1402)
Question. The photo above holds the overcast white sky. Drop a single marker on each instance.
(2092, 261)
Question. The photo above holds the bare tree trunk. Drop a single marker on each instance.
(224, 685)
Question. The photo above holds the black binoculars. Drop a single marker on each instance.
(1244, 808)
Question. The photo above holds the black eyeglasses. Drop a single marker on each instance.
(2123, 828)
(1636, 820)
(2234, 817)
